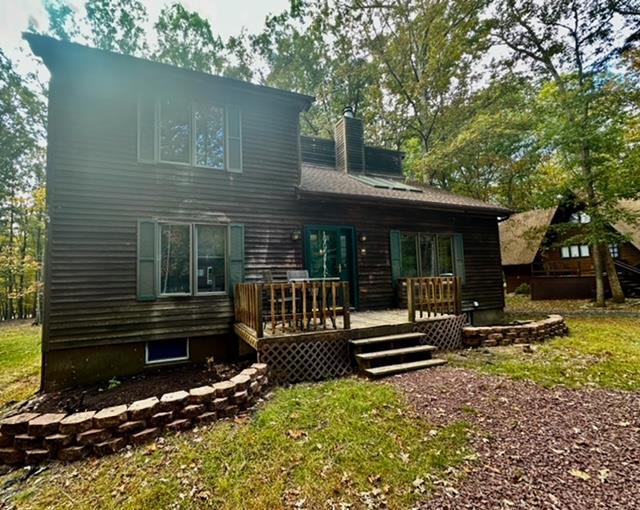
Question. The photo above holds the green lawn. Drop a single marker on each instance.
(600, 351)
(19, 361)
(519, 304)
(315, 446)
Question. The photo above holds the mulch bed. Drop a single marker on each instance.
(128, 390)
(537, 448)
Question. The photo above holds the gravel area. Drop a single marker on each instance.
(537, 448)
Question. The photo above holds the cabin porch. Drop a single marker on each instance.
(308, 331)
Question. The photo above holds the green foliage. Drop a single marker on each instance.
(114, 383)
(61, 20)
(603, 352)
(22, 218)
(345, 443)
(19, 361)
(523, 289)
(185, 39)
(117, 25)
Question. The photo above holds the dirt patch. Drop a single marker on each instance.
(537, 448)
(127, 390)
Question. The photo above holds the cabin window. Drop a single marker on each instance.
(210, 259)
(164, 351)
(580, 217)
(426, 254)
(209, 143)
(614, 250)
(175, 259)
(175, 130)
(575, 251)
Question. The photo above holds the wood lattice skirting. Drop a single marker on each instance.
(307, 359)
(444, 333)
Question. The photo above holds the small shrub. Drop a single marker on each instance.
(113, 383)
(523, 289)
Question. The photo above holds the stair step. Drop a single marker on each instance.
(403, 367)
(395, 352)
(388, 338)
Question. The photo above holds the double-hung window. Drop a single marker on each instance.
(192, 259)
(178, 131)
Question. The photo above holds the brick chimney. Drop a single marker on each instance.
(349, 136)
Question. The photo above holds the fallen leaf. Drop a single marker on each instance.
(580, 474)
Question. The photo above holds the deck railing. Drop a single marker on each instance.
(292, 307)
(434, 296)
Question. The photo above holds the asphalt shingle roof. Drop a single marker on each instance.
(328, 181)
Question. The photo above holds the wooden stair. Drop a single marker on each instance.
(393, 354)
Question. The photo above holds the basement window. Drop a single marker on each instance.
(165, 351)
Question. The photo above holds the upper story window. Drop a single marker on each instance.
(175, 130)
(575, 251)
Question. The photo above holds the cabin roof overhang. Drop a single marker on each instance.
(330, 184)
(56, 54)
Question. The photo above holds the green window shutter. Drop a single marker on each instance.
(458, 253)
(146, 260)
(234, 139)
(396, 261)
(236, 256)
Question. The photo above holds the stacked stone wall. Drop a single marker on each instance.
(535, 331)
(31, 438)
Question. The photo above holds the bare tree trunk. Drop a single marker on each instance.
(617, 294)
(597, 266)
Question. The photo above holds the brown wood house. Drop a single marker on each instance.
(554, 266)
(167, 188)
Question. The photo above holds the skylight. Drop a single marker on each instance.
(378, 182)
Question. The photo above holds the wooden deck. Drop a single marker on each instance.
(363, 325)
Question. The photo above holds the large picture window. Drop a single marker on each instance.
(424, 254)
(175, 130)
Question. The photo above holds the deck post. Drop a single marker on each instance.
(411, 307)
(258, 301)
(346, 317)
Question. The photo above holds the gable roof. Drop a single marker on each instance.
(630, 230)
(521, 235)
(326, 181)
(55, 52)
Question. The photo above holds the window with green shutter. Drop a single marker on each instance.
(425, 254)
(147, 260)
(236, 256)
(178, 131)
(187, 259)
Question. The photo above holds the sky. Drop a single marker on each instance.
(227, 17)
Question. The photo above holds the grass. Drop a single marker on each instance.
(600, 351)
(523, 304)
(19, 361)
(326, 445)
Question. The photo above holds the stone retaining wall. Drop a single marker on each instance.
(31, 438)
(535, 331)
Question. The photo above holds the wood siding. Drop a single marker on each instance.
(483, 281)
(97, 192)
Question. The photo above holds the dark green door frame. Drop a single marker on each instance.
(351, 272)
